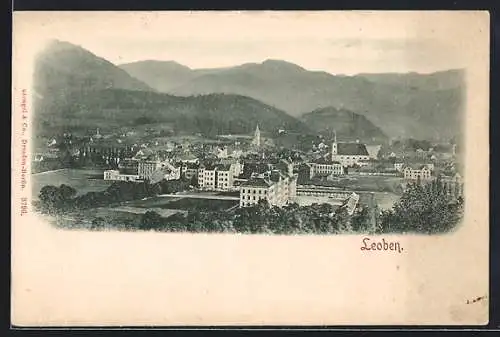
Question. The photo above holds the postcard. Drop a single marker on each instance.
(251, 168)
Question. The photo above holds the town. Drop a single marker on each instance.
(241, 171)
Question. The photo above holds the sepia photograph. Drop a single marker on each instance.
(192, 138)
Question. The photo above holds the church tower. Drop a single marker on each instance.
(334, 145)
(256, 137)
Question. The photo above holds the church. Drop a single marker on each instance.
(256, 138)
(349, 154)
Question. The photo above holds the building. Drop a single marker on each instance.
(453, 185)
(147, 167)
(349, 154)
(421, 154)
(373, 150)
(322, 167)
(221, 152)
(190, 170)
(224, 177)
(117, 176)
(414, 172)
(235, 164)
(188, 158)
(206, 177)
(398, 166)
(276, 188)
(218, 177)
(166, 171)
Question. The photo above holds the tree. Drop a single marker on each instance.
(423, 209)
(97, 223)
(150, 220)
(67, 192)
(54, 199)
(361, 220)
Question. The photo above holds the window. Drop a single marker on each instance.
(254, 197)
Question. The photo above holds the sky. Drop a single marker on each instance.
(336, 42)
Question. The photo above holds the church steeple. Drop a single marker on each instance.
(334, 145)
(256, 137)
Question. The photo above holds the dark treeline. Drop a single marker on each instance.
(257, 219)
(60, 199)
(423, 208)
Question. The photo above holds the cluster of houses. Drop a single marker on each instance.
(363, 160)
(275, 182)
(221, 167)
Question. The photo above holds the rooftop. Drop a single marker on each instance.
(352, 149)
(256, 182)
(223, 167)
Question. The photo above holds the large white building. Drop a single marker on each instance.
(147, 169)
(278, 187)
(117, 176)
(219, 177)
(349, 154)
(414, 172)
(322, 167)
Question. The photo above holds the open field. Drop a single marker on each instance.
(201, 204)
(180, 203)
(82, 181)
(385, 200)
(366, 183)
(150, 202)
(139, 210)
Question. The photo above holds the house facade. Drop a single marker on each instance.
(325, 168)
(115, 175)
(276, 187)
(421, 172)
(218, 177)
(349, 154)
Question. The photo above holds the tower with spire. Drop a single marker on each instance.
(334, 145)
(256, 137)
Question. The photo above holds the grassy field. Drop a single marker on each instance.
(229, 193)
(201, 204)
(82, 181)
(181, 203)
(385, 200)
(366, 183)
(155, 202)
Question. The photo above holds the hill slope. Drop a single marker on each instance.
(441, 80)
(346, 124)
(210, 115)
(160, 75)
(63, 67)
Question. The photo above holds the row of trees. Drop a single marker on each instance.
(261, 218)
(423, 208)
(63, 198)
